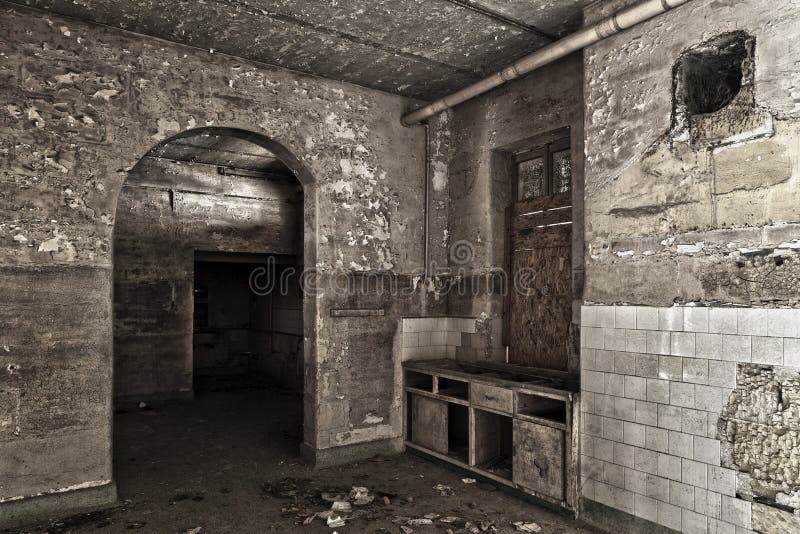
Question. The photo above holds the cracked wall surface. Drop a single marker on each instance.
(698, 210)
(81, 105)
(761, 425)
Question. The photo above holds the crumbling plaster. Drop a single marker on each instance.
(761, 427)
(703, 218)
(82, 104)
(481, 137)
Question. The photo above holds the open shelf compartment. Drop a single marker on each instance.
(540, 407)
(417, 380)
(455, 389)
(458, 432)
(493, 443)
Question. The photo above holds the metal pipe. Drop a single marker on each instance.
(426, 209)
(612, 25)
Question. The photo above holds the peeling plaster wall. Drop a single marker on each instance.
(706, 219)
(473, 162)
(162, 218)
(703, 214)
(81, 105)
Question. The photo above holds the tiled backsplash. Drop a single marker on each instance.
(431, 338)
(653, 383)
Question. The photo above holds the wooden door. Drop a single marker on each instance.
(539, 300)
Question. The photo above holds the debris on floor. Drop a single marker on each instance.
(335, 521)
(522, 526)
(342, 506)
(444, 491)
(468, 480)
(361, 496)
(262, 488)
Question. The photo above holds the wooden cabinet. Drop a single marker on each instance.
(539, 460)
(505, 423)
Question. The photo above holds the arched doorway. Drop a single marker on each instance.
(204, 360)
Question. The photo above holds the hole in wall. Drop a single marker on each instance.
(713, 92)
(712, 74)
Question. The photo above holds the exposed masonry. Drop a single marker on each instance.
(431, 338)
(654, 382)
(760, 423)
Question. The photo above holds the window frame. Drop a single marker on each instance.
(546, 152)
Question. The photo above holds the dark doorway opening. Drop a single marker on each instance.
(247, 335)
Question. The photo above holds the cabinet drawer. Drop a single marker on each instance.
(492, 397)
(539, 458)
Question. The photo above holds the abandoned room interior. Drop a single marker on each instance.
(400, 266)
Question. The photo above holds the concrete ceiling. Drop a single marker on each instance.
(418, 48)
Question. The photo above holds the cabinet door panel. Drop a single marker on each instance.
(539, 458)
(429, 423)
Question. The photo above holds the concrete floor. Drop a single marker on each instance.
(212, 465)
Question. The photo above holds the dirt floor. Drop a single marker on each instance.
(228, 462)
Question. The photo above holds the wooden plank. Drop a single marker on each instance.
(429, 423)
(541, 307)
(539, 458)
(554, 236)
(549, 202)
(542, 219)
(542, 381)
(435, 396)
(438, 456)
(486, 432)
(357, 312)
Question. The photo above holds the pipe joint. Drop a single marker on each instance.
(509, 73)
(607, 28)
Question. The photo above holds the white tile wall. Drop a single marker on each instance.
(653, 383)
(431, 338)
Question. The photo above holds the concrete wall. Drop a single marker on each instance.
(81, 105)
(699, 211)
(473, 148)
(165, 214)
